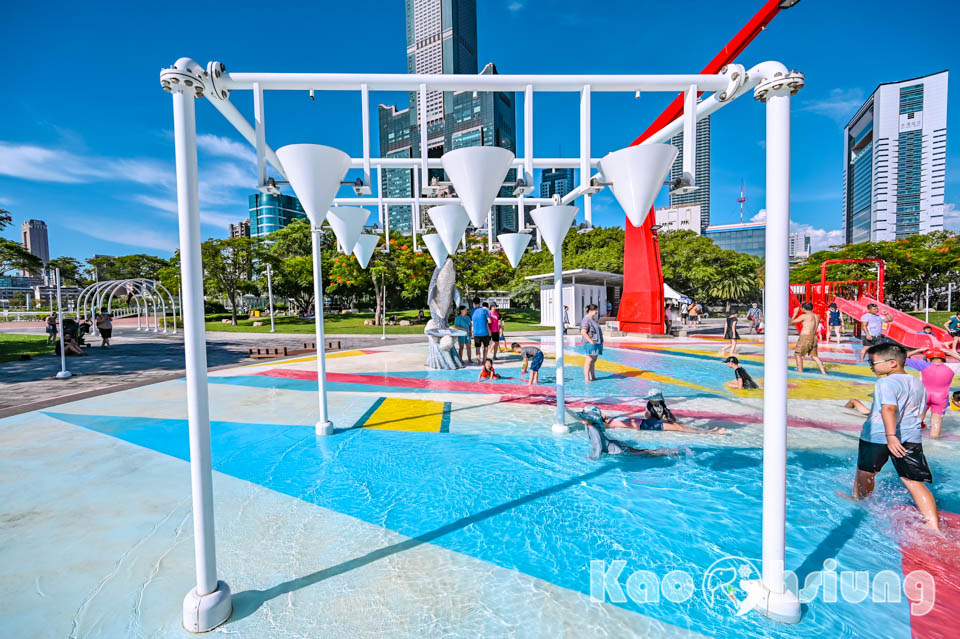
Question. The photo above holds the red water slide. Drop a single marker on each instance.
(641, 302)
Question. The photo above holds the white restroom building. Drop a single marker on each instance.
(581, 287)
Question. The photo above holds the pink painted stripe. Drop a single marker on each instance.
(938, 555)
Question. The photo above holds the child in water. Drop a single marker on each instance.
(650, 421)
(593, 421)
(743, 379)
(487, 371)
(937, 376)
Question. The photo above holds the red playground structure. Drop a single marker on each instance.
(852, 298)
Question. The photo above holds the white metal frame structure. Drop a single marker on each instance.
(153, 292)
(208, 605)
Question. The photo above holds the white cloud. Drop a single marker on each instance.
(760, 216)
(226, 147)
(131, 235)
(839, 106)
(169, 208)
(43, 164)
(820, 239)
(516, 5)
(951, 217)
(6, 201)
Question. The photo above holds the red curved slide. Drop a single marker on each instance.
(904, 329)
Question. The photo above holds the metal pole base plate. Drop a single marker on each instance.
(560, 429)
(324, 428)
(64, 374)
(783, 607)
(206, 612)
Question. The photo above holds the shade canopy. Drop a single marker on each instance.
(477, 173)
(554, 223)
(364, 248)
(347, 224)
(636, 174)
(514, 244)
(451, 221)
(436, 247)
(315, 172)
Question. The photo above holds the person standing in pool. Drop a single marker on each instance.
(481, 330)
(494, 330)
(730, 333)
(807, 342)
(835, 322)
(532, 357)
(464, 324)
(872, 324)
(937, 376)
(592, 342)
(892, 429)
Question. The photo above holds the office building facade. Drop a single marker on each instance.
(702, 195)
(269, 213)
(36, 241)
(442, 38)
(894, 153)
(799, 245)
(556, 182)
(679, 218)
(747, 238)
(240, 229)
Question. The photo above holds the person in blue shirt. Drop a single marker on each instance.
(953, 327)
(892, 429)
(463, 323)
(480, 317)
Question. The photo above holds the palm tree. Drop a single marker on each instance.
(734, 286)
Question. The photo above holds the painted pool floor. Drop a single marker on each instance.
(442, 506)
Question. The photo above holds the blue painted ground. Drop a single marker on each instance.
(537, 505)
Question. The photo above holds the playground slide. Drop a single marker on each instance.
(904, 328)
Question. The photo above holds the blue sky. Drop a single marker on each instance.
(86, 132)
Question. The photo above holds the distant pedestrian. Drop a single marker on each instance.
(609, 308)
(684, 313)
(105, 327)
(694, 313)
(566, 318)
(592, 342)
(730, 333)
(465, 324)
(755, 315)
(51, 327)
(667, 318)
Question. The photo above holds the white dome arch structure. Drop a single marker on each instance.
(143, 290)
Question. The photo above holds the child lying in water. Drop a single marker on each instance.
(651, 421)
(593, 422)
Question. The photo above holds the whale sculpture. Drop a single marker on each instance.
(441, 296)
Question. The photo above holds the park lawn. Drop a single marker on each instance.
(515, 319)
(937, 318)
(12, 346)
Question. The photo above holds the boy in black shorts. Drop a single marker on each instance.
(893, 429)
(743, 379)
(532, 357)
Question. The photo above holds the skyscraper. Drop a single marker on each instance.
(799, 245)
(556, 182)
(34, 233)
(702, 195)
(894, 166)
(269, 213)
(240, 229)
(442, 38)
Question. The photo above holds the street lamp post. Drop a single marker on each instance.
(64, 373)
(270, 297)
(324, 426)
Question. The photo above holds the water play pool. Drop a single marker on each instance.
(467, 471)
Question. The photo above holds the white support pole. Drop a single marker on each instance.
(209, 604)
(521, 215)
(950, 297)
(422, 119)
(490, 230)
(270, 297)
(774, 600)
(528, 137)
(365, 124)
(324, 426)
(415, 211)
(690, 133)
(560, 425)
(261, 135)
(926, 306)
(585, 152)
(64, 373)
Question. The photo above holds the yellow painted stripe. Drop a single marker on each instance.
(824, 388)
(407, 414)
(630, 371)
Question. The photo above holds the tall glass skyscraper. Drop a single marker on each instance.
(894, 153)
(702, 195)
(556, 182)
(442, 38)
(269, 213)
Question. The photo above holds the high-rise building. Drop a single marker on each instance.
(556, 182)
(240, 229)
(894, 166)
(679, 218)
(442, 38)
(747, 238)
(799, 246)
(269, 213)
(702, 163)
(34, 233)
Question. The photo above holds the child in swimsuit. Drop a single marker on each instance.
(743, 379)
(937, 376)
(532, 357)
(487, 371)
(593, 421)
(650, 421)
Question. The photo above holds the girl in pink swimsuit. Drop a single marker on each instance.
(937, 376)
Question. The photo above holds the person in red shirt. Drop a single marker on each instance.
(487, 371)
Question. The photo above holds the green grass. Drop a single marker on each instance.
(515, 319)
(937, 318)
(12, 346)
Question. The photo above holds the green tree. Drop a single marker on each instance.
(69, 269)
(228, 267)
(291, 258)
(478, 270)
(125, 267)
(5, 218)
(13, 256)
